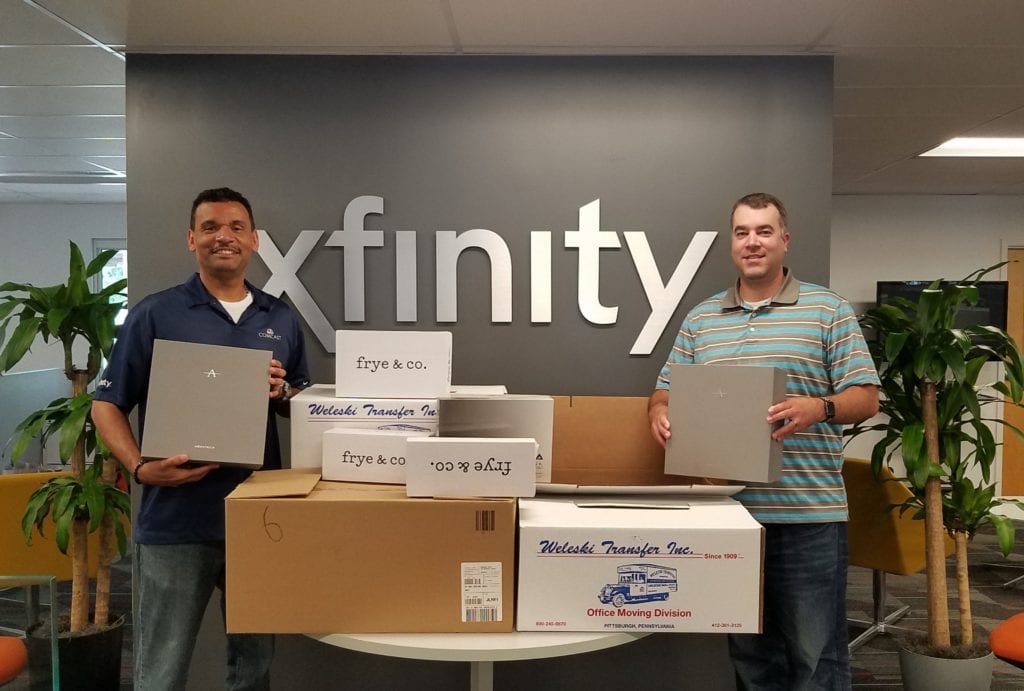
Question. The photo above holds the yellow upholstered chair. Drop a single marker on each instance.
(880, 539)
(41, 558)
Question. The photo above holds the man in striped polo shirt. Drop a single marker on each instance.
(769, 318)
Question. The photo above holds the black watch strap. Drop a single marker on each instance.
(830, 409)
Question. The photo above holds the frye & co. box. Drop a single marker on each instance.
(586, 567)
(366, 455)
(508, 415)
(305, 556)
(316, 409)
(470, 467)
(406, 364)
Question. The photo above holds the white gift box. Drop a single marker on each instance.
(383, 364)
(470, 467)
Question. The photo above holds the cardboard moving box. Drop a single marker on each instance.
(305, 556)
(606, 440)
(586, 567)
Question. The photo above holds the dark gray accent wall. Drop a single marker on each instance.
(508, 144)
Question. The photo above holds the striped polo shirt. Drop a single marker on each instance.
(812, 333)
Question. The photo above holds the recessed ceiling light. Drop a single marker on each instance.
(979, 146)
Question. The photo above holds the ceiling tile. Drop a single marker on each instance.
(929, 23)
(908, 101)
(940, 176)
(18, 165)
(62, 100)
(294, 26)
(688, 27)
(58, 65)
(24, 25)
(62, 147)
(63, 126)
(100, 193)
(1009, 125)
(104, 20)
(953, 66)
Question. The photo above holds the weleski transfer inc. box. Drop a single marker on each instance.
(316, 409)
(305, 556)
(611, 564)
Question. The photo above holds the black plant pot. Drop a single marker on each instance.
(89, 661)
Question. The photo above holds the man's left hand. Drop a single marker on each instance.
(799, 412)
(278, 390)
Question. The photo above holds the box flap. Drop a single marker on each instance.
(292, 482)
(653, 490)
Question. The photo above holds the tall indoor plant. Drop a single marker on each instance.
(87, 500)
(934, 404)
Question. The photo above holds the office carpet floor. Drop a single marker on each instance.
(875, 665)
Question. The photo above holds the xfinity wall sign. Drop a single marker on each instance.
(588, 240)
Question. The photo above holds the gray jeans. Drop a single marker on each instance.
(175, 585)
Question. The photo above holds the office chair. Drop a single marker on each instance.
(1007, 641)
(13, 658)
(881, 539)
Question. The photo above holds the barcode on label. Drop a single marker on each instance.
(472, 581)
(481, 615)
(485, 520)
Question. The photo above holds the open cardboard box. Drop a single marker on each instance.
(305, 556)
(606, 440)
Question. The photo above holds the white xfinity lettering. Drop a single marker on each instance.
(662, 296)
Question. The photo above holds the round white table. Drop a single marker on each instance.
(481, 650)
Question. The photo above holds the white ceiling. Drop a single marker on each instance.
(908, 73)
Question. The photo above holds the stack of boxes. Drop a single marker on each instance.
(431, 544)
(358, 550)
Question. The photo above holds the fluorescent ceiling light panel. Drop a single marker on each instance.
(979, 146)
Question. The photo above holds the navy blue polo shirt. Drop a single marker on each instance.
(194, 512)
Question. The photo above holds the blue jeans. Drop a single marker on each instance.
(804, 640)
(175, 585)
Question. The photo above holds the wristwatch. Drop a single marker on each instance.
(830, 409)
(286, 390)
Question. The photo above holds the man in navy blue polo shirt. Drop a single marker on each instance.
(179, 532)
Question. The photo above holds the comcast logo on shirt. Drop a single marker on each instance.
(269, 333)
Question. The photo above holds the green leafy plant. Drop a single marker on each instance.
(88, 500)
(934, 404)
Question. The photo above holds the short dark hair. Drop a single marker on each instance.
(220, 194)
(761, 200)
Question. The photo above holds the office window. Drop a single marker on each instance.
(115, 270)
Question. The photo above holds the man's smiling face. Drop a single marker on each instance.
(222, 238)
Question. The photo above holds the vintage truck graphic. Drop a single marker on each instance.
(640, 583)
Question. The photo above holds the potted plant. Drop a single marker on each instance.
(934, 405)
(88, 500)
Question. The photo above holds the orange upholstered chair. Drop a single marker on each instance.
(13, 658)
(1007, 640)
(881, 539)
